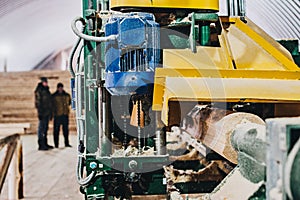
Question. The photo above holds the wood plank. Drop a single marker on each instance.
(218, 135)
(15, 125)
(11, 131)
(214, 127)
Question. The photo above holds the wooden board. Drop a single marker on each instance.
(218, 135)
(213, 127)
(12, 128)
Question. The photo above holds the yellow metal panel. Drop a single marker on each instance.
(269, 40)
(249, 54)
(223, 73)
(186, 4)
(261, 46)
(230, 90)
(224, 85)
(249, 48)
(205, 58)
(159, 85)
(224, 43)
(265, 71)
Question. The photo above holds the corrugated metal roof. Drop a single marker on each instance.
(279, 18)
(7, 6)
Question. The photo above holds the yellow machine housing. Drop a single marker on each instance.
(212, 5)
(249, 66)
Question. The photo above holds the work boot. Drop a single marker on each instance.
(42, 145)
(43, 148)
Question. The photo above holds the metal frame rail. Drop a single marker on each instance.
(12, 164)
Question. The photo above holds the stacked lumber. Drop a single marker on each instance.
(17, 97)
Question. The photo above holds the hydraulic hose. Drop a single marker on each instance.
(81, 36)
(83, 181)
(89, 37)
(78, 60)
(79, 171)
(71, 70)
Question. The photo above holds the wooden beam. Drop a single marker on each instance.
(213, 127)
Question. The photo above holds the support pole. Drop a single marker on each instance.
(12, 178)
(20, 168)
(15, 175)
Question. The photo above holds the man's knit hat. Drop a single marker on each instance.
(44, 79)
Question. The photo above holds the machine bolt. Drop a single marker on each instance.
(93, 165)
(132, 164)
(164, 181)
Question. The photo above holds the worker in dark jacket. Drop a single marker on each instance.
(61, 110)
(43, 104)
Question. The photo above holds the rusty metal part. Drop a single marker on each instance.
(209, 173)
(192, 155)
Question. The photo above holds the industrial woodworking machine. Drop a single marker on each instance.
(162, 90)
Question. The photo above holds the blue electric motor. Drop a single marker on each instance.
(132, 58)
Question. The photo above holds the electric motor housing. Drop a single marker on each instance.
(132, 58)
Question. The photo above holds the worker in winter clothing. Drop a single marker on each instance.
(61, 104)
(43, 104)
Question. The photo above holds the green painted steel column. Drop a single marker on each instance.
(205, 35)
(90, 78)
(91, 83)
